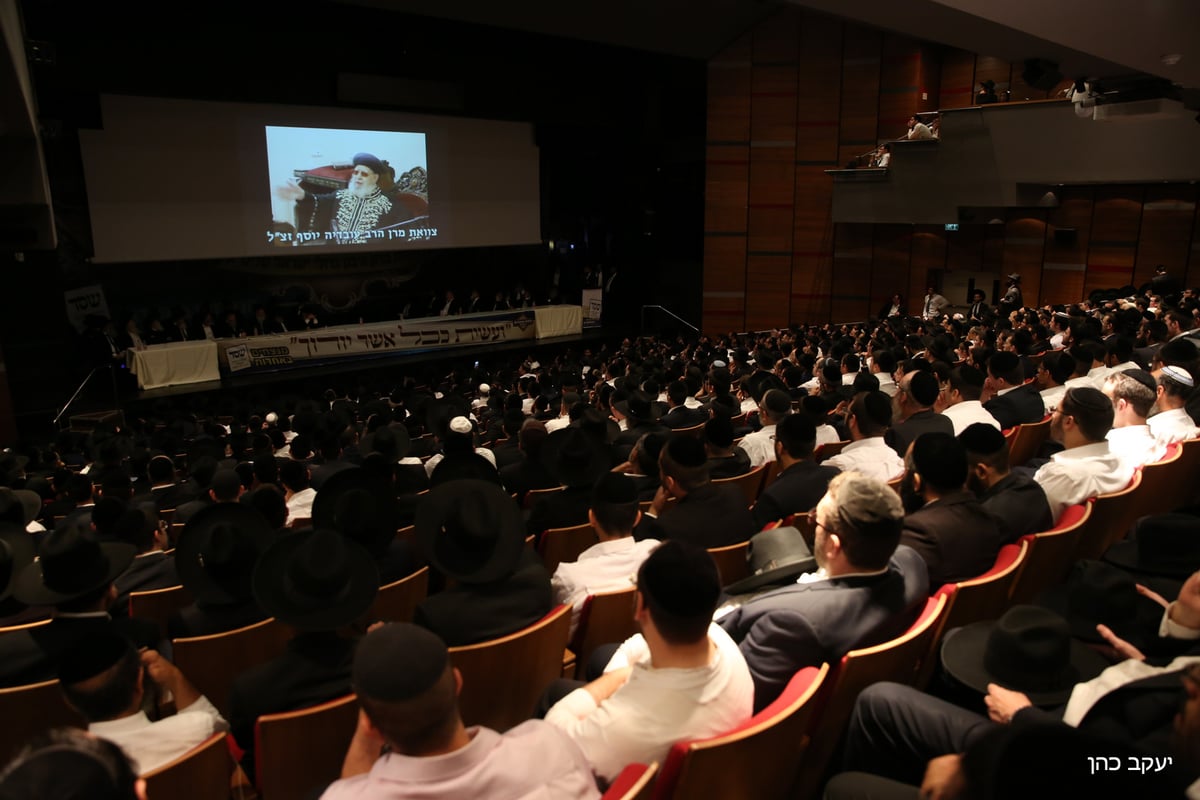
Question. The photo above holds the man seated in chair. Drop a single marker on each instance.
(802, 482)
(411, 740)
(104, 678)
(611, 564)
(348, 214)
(681, 678)
(868, 588)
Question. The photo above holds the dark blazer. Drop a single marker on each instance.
(319, 474)
(560, 510)
(153, 570)
(955, 535)
(803, 625)
(710, 516)
(1022, 405)
(684, 417)
(197, 620)
(797, 490)
(524, 475)
(508, 453)
(31, 656)
(900, 436)
(315, 668)
(731, 467)
(1019, 506)
(470, 613)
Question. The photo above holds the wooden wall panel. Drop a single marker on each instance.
(768, 290)
(929, 78)
(852, 253)
(890, 260)
(1022, 90)
(726, 187)
(929, 250)
(964, 249)
(1024, 251)
(724, 283)
(1065, 263)
(899, 84)
(1112, 249)
(957, 89)
(1168, 214)
(1192, 276)
(860, 93)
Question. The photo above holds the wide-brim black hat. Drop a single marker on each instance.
(72, 564)
(775, 557)
(574, 457)
(217, 551)
(16, 553)
(1028, 650)
(1163, 544)
(359, 505)
(471, 530)
(316, 581)
(1096, 593)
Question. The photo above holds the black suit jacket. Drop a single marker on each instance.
(153, 570)
(1020, 406)
(560, 510)
(710, 516)
(470, 613)
(1019, 506)
(900, 436)
(684, 417)
(955, 535)
(797, 490)
(524, 475)
(731, 467)
(314, 669)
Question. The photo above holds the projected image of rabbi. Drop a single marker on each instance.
(336, 187)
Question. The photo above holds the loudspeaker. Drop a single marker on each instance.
(1041, 74)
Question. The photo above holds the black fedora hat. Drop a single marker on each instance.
(574, 457)
(471, 530)
(775, 557)
(639, 405)
(316, 581)
(359, 505)
(1097, 593)
(217, 551)
(16, 553)
(72, 563)
(1163, 544)
(1028, 650)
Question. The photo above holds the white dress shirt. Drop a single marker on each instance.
(604, 567)
(968, 412)
(1053, 396)
(1174, 425)
(152, 744)
(1074, 475)
(1135, 445)
(760, 445)
(871, 457)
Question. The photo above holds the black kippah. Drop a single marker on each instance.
(398, 662)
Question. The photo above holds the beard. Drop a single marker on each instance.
(366, 190)
(909, 496)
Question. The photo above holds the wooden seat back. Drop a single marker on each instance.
(1050, 555)
(503, 678)
(607, 617)
(202, 773)
(1027, 440)
(157, 605)
(750, 483)
(31, 710)
(731, 561)
(565, 544)
(212, 662)
(298, 752)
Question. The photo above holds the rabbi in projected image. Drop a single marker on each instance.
(348, 213)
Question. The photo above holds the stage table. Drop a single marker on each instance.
(175, 363)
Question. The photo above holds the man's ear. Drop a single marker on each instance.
(458, 681)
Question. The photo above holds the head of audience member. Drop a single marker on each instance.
(774, 406)
(140, 527)
(1175, 385)
(1133, 393)
(645, 453)
(1084, 416)
(294, 476)
(1003, 372)
(614, 509)
(161, 471)
(987, 456)
(917, 391)
(408, 690)
(269, 501)
(1056, 368)
(71, 764)
(718, 436)
(870, 415)
(795, 439)
(1178, 353)
(531, 437)
(935, 466)
(965, 384)
(677, 592)
(858, 525)
(74, 572)
(883, 362)
(683, 466)
(226, 486)
(101, 677)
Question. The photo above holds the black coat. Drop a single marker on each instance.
(955, 535)
(30, 656)
(709, 516)
(1020, 406)
(797, 490)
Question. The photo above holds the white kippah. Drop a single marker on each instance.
(460, 425)
(719, 364)
(534, 365)
(484, 388)
(272, 418)
(1179, 375)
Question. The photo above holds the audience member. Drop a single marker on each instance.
(868, 419)
(801, 483)
(1014, 499)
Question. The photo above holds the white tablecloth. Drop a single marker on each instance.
(175, 363)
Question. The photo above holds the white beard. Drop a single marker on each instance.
(366, 190)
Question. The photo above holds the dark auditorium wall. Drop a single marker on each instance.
(803, 93)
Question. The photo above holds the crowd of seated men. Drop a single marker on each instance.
(290, 509)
